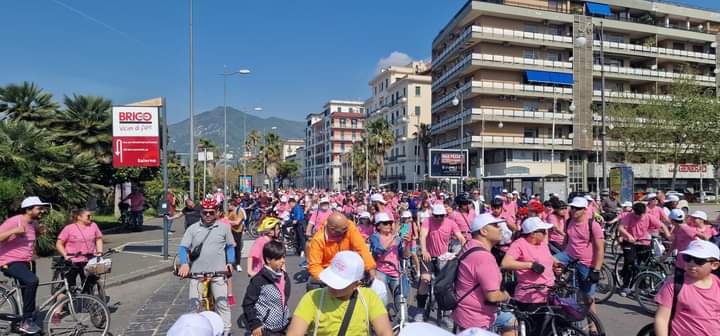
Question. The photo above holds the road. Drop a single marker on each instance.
(139, 308)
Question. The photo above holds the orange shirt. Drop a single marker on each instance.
(321, 251)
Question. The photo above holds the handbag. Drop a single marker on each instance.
(195, 253)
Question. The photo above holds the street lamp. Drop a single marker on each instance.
(581, 41)
(459, 102)
(225, 75)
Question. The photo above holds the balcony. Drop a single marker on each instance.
(492, 141)
(626, 95)
(395, 177)
(501, 35)
(499, 61)
(636, 49)
(504, 114)
(614, 71)
(504, 88)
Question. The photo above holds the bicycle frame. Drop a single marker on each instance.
(17, 293)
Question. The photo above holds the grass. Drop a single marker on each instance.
(106, 221)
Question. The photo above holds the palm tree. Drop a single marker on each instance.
(381, 139)
(26, 101)
(86, 123)
(252, 140)
(270, 155)
(424, 139)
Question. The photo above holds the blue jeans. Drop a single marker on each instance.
(393, 284)
(583, 272)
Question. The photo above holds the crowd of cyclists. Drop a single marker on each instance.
(464, 263)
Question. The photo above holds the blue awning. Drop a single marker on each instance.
(547, 77)
(598, 9)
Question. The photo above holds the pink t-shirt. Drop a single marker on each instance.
(438, 236)
(684, 234)
(656, 212)
(478, 268)
(317, 217)
(523, 251)
(640, 227)
(80, 238)
(557, 221)
(256, 253)
(579, 245)
(366, 230)
(388, 262)
(18, 247)
(510, 207)
(697, 309)
(463, 221)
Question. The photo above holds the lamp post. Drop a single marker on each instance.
(225, 75)
(582, 41)
(459, 101)
(367, 158)
(192, 112)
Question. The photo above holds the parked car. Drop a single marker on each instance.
(709, 196)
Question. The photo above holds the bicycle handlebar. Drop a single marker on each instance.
(205, 275)
(90, 255)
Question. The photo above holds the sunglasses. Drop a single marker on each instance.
(576, 209)
(385, 223)
(696, 260)
(208, 213)
(544, 231)
(438, 216)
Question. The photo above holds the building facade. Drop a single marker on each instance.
(291, 146)
(402, 96)
(529, 80)
(329, 135)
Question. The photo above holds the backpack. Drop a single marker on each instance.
(444, 283)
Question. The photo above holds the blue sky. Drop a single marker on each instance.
(301, 53)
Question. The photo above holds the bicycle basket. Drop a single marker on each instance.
(97, 267)
(575, 306)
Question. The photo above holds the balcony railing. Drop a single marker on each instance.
(509, 140)
(652, 73)
(631, 95)
(655, 50)
(504, 113)
(515, 87)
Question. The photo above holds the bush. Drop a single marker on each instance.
(11, 192)
(54, 222)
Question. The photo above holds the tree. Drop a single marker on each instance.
(86, 123)
(27, 102)
(381, 139)
(288, 170)
(710, 148)
(251, 141)
(269, 155)
(424, 139)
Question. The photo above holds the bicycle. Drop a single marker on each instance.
(560, 316)
(401, 307)
(430, 304)
(61, 267)
(569, 277)
(85, 313)
(207, 300)
(606, 285)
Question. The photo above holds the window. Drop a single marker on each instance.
(417, 110)
(352, 109)
(678, 46)
(339, 109)
(531, 54)
(531, 106)
(353, 122)
(404, 92)
(417, 91)
(531, 28)
(530, 132)
(553, 56)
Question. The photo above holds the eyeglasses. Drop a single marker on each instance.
(208, 213)
(695, 260)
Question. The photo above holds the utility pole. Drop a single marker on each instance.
(192, 112)
(603, 132)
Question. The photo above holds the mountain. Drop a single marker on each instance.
(209, 125)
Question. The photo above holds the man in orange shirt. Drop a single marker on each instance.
(338, 234)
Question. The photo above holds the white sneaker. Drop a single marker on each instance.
(238, 268)
(302, 254)
(625, 292)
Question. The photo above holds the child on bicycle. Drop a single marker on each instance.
(268, 230)
(265, 305)
(388, 248)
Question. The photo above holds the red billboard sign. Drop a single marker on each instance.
(136, 136)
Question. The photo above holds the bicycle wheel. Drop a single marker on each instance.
(562, 327)
(98, 290)
(84, 314)
(593, 324)
(617, 270)
(647, 284)
(605, 286)
(8, 305)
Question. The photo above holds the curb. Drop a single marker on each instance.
(142, 275)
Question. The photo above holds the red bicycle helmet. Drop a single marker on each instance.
(209, 203)
(536, 207)
(523, 212)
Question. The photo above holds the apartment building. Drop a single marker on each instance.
(291, 146)
(402, 96)
(328, 135)
(298, 157)
(528, 77)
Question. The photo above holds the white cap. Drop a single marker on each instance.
(216, 321)
(702, 249)
(364, 214)
(532, 224)
(438, 209)
(699, 214)
(427, 329)
(677, 215)
(588, 197)
(406, 214)
(324, 200)
(31, 202)
(192, 324)
(377, 198)
(673, 198)
(382, 217)
(484, 219)
(627, 204)
(283, 199)
(579, 202)
(650, 196)
(504, 191)
(346, 267)
(515, 192)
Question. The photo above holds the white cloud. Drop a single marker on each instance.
(395, 58)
